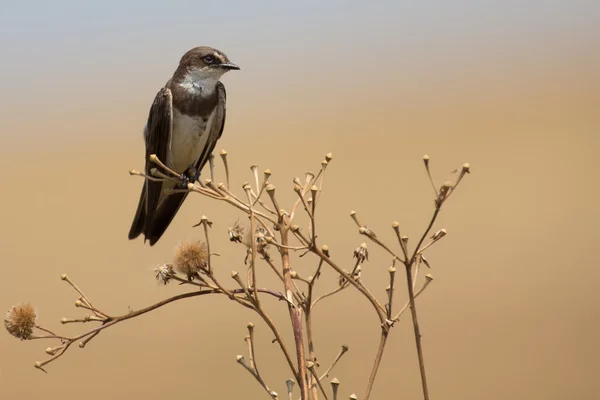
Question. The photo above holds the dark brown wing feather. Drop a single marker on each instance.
(157, 136)
(169, 207)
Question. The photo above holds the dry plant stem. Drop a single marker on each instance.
(256, 376)
(234, 201)
(271, 324)
(380, 311)
(314, 377)
(400, 241)
(335, 361)
(207, 245)
(399, 314)
(413, 309)
(309, 334)
(295, 315)
(384, 336)
(154, 158)
(115, 320)
(415, 321)
(433, 218)
(324, 296)
(84, 297)
(274, 268)
(253, 239)
(226, 165)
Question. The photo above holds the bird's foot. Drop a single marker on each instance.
(190, 175)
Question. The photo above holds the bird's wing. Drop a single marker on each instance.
(158, 141)
(171, 204)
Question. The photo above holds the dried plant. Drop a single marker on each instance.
(272, 230)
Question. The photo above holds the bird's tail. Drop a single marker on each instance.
(139, 220)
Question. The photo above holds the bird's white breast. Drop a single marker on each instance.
(188, 140)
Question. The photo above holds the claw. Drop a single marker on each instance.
(190, 175)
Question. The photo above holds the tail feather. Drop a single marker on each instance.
(139, 220)
(163, 217)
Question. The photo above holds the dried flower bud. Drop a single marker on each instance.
(20, 321)
(164, 273)
(236, 232)
(328, 157)
(260, 235)
(361, 253)
(444, 192)
(439, 234)
(190, 258)
(325, 250)
(353, 397)
(290, 384)
(357, 273)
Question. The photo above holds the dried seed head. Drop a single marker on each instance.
(439, 234)
(164, 273)
(290, 384)
(357, 273)
(325, 250)
(361, 253)
(270, 188)
(353, 397)
(236, 232)
(260, 235)
(20, 321)
(466, 168)
(190, 258)
(328, 157)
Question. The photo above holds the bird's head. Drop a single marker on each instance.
(204, 66)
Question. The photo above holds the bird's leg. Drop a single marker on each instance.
(190, 175)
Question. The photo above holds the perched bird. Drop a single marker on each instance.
(185, 121)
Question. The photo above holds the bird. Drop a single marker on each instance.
(185, 121)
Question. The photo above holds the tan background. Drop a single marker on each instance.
(513, 311)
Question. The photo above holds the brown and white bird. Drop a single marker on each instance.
(184, 124)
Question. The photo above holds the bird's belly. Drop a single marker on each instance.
(187, 141)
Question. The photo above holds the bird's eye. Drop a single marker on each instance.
(208, 59)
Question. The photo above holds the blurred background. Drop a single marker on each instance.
(511, 87)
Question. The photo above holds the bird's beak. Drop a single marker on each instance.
(229, 66)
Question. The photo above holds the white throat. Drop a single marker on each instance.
(201, 81)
